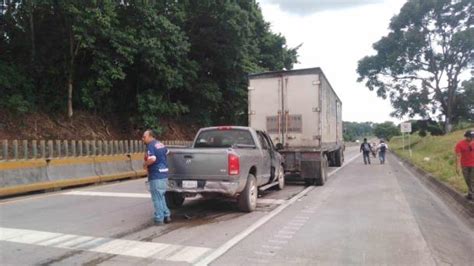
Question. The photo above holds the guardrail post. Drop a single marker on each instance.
(66, 148)
(106, 147)
(50, 149)
(58, 148)
(80, 147)
(94, 148)
(73, 148)
(99, 147)
(25, 149)
(34, 145)
(87, 147)
(43, 148)
(15, 149)
(116, 146)
(5, 149)
(126, 146)
(121, 146)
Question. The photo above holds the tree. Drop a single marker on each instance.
(420, 63)
(386, 130)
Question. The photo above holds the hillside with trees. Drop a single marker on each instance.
(138, 62)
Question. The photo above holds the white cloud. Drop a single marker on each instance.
(306, 7)
(336, 40)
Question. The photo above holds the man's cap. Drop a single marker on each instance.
(469, 133)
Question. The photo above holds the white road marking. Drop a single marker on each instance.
(278, 241)
(287, 232)
(284, 236)
(270, 254)
(271, 247)
(271, 201)
(239, 237)
(123, 247)
(108, 194)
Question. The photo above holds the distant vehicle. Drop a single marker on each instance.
(227, 161)
(302, 114)
(357, 141)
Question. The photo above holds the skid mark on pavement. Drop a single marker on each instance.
(104, 245)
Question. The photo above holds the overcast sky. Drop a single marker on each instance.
(335, 35)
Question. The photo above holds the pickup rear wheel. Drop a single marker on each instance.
(248, 198)
(174, 200)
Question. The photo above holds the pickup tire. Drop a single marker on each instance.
(338, 158)
(247, 200)
(174, 200)
(281, 178)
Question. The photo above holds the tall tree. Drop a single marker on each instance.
(420, 63)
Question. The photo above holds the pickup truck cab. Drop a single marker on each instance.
(228, 161)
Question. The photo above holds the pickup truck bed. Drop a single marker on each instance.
(225, 161)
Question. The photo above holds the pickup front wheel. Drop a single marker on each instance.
(248, 197)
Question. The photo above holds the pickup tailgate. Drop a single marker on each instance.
(198, 164)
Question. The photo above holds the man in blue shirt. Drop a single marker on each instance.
(157, 168)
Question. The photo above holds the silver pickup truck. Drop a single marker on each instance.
(228, 161)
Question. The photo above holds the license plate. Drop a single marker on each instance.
(190, 184)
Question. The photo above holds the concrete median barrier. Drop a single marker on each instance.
(114, 167)
(19, 176)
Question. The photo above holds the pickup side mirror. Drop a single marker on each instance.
(279, 146)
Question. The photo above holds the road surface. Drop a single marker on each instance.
(364, 215)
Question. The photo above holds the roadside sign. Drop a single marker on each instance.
(405, 127)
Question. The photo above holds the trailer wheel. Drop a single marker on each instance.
(248, 198)
(323, 172)
(174, 200)
(338, 158)
(309, 181)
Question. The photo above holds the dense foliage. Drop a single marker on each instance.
(143, 60)
(421, 63)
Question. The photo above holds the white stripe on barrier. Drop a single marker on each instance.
(123, 247)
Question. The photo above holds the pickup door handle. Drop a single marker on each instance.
(188, 157)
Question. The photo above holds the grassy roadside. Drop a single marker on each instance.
(434, 154)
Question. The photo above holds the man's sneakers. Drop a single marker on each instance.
(167, 220)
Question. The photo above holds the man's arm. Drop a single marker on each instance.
(458, 162)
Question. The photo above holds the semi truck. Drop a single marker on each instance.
(302, 114)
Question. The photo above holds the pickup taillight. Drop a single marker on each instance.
(234, 164)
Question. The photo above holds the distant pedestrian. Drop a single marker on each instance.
(366, 149)
(374, 149)
(465, 160)
(382, 149)
(157, 168)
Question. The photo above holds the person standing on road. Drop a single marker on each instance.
(382, 148)
(465, 160)
(366, 149)
(157, 168)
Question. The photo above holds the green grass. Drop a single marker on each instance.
(434, 154)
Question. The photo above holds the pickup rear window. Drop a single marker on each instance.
(216, 138)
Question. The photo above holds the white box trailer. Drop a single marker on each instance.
(302, 114)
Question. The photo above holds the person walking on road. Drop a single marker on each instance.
(465, 160)
(157, 168)
(366, 149)
(382, 149)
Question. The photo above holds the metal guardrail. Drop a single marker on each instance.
(37, 149)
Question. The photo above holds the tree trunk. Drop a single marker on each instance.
(448, 124)
(69, 95)
(70, 74)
